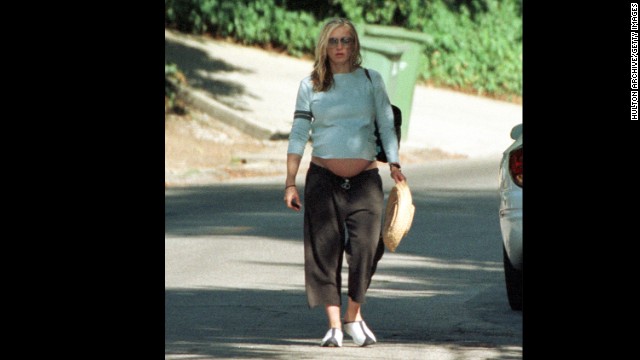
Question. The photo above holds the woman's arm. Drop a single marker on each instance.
(291, 196)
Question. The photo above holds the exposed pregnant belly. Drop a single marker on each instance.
(345, 167)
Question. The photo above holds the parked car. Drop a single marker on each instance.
(511, 217)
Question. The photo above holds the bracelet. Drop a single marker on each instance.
(288, 186)
(394, 165)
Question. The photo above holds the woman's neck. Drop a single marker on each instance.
(341, 68)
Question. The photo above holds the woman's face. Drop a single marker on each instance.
(340, 47)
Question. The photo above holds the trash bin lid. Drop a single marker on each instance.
(383, 46)
(394, 32)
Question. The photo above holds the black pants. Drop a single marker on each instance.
(342, 215)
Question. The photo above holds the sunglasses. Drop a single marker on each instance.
(346, 41)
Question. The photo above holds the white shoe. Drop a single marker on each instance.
(360, 333)
(332, 338)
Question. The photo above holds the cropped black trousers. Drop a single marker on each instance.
(341, 216)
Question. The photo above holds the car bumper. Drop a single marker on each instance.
(511, 228)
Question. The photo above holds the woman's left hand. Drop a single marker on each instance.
(397, 175)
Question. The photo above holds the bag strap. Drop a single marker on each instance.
(376, 131)
(366, 72)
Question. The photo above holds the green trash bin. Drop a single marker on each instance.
(396, 53)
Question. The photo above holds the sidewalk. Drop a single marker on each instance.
(255, 90)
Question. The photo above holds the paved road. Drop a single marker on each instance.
(234, 283)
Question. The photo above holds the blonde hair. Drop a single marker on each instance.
(321, 76)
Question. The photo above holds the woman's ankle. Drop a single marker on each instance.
(348, 319)
(353, 312)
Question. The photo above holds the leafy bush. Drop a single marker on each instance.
(479, 49)
(172, 76)
(477, 44)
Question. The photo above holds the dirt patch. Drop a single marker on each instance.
(200, 149)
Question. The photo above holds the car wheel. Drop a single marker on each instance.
(513, 279)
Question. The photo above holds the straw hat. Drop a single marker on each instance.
(398, 216)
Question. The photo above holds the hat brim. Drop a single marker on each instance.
(398, 215)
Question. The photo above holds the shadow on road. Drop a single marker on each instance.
(200, 69)
(443, 288)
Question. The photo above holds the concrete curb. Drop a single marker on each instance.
(203, 102)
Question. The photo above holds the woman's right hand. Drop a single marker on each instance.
(291, 198)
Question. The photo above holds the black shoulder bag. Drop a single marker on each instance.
(397, 123)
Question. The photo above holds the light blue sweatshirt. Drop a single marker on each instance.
(340, 121)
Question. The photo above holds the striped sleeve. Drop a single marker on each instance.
(301, 114)
(302, 118)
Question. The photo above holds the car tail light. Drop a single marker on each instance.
(515, 166)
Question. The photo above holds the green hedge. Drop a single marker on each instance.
(260, 22)
(477, 44)
(172, 75)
